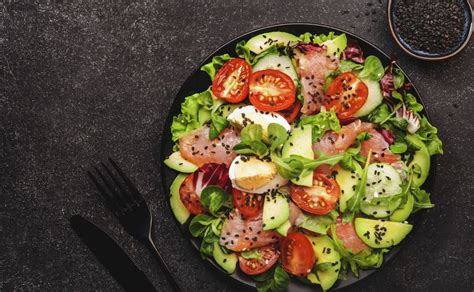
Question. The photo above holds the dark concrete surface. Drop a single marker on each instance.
(83, 80)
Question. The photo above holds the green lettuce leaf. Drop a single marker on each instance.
(429, 135)
(243, 52)
(322, 122)
(217, 62)
(188, 119)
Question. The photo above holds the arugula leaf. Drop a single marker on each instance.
(275, 279)
(322, 122)
(352, 155)
(287, 168)
(217, 62)
(218, 124)
(354, 202)
(277, 135)
(293, 166)
(422, 198)
(213, 198)
(251, 254)
(373, 69)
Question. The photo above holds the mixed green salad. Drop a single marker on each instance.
(303, 159)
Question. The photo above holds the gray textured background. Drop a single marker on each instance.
(83, 81)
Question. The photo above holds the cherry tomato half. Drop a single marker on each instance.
(271, 90)
(268, 256)
(319, 199)
(290, 113)
(347, 94)
(249, 205)
(189, 197)
(231, 82)
(297, 255)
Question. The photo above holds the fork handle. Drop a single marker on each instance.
(151, 246)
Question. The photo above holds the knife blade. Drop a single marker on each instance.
(111, 255)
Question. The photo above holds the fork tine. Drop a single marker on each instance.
(114, 195)
(125, 196)
(108, 200)
(136, 194)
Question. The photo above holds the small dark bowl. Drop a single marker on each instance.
(468, 27)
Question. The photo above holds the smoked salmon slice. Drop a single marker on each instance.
(196, 147)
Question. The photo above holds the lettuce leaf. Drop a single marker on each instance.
(217, 62)
(188, 119)
(429, 135)
(322, 122)
(243, 52)
(317, 38)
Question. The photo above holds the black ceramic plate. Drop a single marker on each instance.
(199, 81)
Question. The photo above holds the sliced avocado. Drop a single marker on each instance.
(177, 162)
(336, 46)
(347, 181)
(404, 212)
(422, 158)
(276, 210)
(261, 42)
(204, 115)
(179, 211)
(299, 143)
(277, 62)
(226, 261)
(283, 229)
(374, 99)
(380, 233)
(325, 252)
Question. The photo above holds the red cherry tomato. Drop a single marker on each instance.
(268, 257)
(297, 255)
(292, 112)
(319, 199)
(249, 205)
(231, 82)
(271, 90)
(347, 94)
(189, 197)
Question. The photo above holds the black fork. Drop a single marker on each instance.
(127, 204)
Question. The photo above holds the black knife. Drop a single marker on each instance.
(111, 255)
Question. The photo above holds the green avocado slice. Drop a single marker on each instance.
(381, 233)
(180, 212)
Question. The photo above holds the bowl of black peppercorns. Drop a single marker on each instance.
(431, 29)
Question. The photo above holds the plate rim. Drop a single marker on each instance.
(178, 99)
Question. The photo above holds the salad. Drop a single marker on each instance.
(303, 159)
